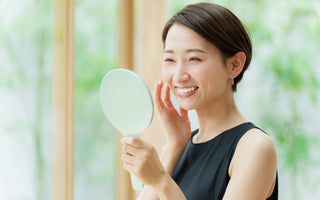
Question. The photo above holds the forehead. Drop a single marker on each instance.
(180, 37)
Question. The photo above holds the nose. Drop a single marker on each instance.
(180, 74)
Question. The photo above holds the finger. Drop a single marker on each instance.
(184, 113)
(157, 89)
(167, 99)
(129, 167)
(135, 142)
(129, 150)
(128, 159)
(157, 96)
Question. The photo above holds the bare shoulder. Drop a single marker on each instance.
(257, 148)
(257, 140)
(253, 167)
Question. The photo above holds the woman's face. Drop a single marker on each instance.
(193, 68)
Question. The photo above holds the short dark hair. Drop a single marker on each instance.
(217, 25)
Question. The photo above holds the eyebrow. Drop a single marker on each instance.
(187, 51)
(195, 50)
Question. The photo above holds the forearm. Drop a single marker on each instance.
(169, 159)
(147, 193)
(165, 190)
(169, 190)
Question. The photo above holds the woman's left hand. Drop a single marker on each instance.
(142, 160)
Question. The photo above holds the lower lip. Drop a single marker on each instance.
(183, 95)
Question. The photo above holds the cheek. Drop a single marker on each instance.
(203, 73)
(167, 74)
(212, 76)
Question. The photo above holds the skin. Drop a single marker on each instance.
(192, 62)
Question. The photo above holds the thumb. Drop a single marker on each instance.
(184, 114)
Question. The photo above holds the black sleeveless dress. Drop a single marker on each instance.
(202, 171)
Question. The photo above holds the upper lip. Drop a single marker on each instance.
(182, 87)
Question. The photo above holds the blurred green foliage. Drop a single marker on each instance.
(285, 38)
(95, 54)
(25, 67)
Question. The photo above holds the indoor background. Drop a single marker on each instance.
(279, 92)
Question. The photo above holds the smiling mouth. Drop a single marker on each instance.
(186, 91)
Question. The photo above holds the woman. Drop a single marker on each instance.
(206, 52)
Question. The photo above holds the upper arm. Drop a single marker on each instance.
(253, 168)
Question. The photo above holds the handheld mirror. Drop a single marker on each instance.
(127, 103)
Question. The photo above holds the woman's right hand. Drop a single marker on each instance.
(177, 126)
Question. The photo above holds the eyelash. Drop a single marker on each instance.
(191, 59)
(194, 59)
(168, 60)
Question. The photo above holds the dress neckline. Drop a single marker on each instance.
(217, 136)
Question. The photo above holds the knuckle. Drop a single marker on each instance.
(134, 140)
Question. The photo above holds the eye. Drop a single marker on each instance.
(194, 59)
(168, 60)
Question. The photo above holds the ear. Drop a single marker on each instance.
(235, 64)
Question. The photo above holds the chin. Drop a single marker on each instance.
(187, 106)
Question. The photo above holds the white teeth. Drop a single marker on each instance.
(186, 90)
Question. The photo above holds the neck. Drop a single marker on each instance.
(217, 117)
